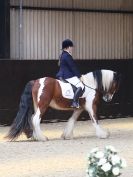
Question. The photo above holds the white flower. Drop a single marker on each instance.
(93, 160)
(106, 167)
(99, 154)
(90, 172)
(89, 162)
(123, 163)
(102, 161)
(115, 159)
(111, 148)
(116, 171)
(88, 156)
(105, 162)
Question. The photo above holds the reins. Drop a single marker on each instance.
(65, 81)
(102, 92)
(89, 87)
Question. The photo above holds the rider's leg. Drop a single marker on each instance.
(78, 93)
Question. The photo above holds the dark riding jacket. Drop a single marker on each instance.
(68, 67)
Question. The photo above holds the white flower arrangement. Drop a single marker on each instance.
(104, 164)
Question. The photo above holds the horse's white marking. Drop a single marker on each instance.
(107, 78)
(37, 134)
(88, 79)
(100, 133)
(68, 131)
(108, 97)
(41, 82)
(89, 102)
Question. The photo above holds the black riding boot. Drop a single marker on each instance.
(77, 94)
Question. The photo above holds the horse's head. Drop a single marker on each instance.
(113, 88)
(106, 82)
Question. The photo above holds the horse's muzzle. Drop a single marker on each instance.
(107, 98)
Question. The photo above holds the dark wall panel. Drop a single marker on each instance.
(4, 29)
(14, 74)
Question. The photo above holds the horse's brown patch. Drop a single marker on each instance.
(51, 92)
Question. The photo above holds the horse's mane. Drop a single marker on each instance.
(99, 79)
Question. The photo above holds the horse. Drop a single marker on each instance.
(46, 92)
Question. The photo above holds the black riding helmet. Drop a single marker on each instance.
(67, 43)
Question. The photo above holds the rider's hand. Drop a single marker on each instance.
(81, 78)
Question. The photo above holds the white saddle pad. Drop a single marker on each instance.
(67, 91)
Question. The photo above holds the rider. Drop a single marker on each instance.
(68, 71)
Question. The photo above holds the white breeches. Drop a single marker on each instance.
(76, 82)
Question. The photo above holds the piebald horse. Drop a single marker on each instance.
(46, 92)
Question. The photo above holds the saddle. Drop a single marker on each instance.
(68, 89)
(65, 81)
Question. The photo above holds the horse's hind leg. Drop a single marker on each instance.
(68, 131)
(42, 95)
(37, 133)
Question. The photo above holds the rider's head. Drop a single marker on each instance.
(67, 44)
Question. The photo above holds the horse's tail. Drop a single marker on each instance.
(22, 122)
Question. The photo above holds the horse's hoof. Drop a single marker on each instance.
(43, 139)
(66, 137)
(104, 135)
(62, 136)
(108, 134)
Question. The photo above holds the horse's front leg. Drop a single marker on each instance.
(68, 131)
(91, 106)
